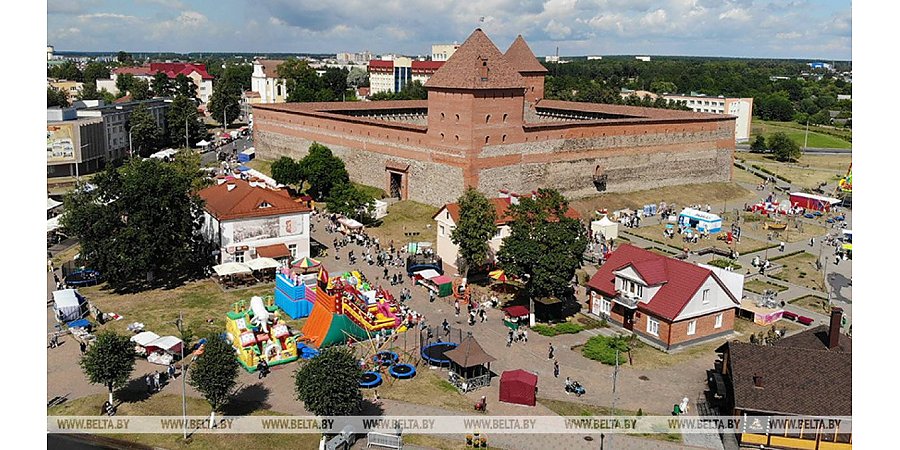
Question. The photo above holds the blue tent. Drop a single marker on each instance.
(243, 168)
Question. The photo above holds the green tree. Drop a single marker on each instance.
(323, 171)
(214, 373)
(56, 97)
(161, 85)
(94, 71)
(663, 87)
(777, 107)
(184, 86)
(328, 385)
(89, 92)
(66, 71)
(286, 170)
(335, 81)
(140, 90)
(783, 147)
(476, 226)
(303, 85)
(225, 102)
(544, 246)
(358, 77)
(759, 144)
(140, 227)
(184, 123)
(124, 57)
(146, 136)
(346, 199)
(124, 81)
(109, 361)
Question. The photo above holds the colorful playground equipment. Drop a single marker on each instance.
(295, 293)
(346, 306)
(256, 333)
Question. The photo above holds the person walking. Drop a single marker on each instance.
(525, 335)
(149, 382)
(482, 314)
(456, 307)
(509, 339)
(156, 384)
(781, 246)
(171, 371)
(82, 346)
(555, 369)
(550, 354)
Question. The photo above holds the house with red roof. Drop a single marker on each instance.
(447, 217)
(667, 303)
(195, 72)
(247, 219)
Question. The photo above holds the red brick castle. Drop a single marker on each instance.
(486, 124)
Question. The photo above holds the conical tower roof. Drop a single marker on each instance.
(476, 64)
(520, 56)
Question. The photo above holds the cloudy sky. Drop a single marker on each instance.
(748, 28)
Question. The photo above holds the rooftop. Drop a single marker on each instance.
(520, 56)
(237, 199)
(477, 64)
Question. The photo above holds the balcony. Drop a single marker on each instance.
(627, 300)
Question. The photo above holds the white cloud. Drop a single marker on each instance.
(105, 16)
(655, 19)
(788, 36)
(738, 14)
(171, 4)
(557, 30)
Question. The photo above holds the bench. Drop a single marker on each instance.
(805, 320)
(789, 315)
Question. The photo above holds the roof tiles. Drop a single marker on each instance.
(520, 56)
(244, 201)
(477, 64)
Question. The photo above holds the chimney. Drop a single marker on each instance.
(834, 329)
(220, 179)
(231, 186)
(757, 380)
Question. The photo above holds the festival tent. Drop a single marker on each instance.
(305, 264)
(348, 225)
(52, 224)
(203, 143)
(170, 344)
(608, 228)
(263, 263)
(231, 268)
(52, 203)
(444, 285)
(813, 202)
(247, 155)
(68, 305)
(518, 386)
(144, 338)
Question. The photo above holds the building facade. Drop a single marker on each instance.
(71, 88)
(486, 124)
(195, 72)
(248, 219)
(75, 146)
(443, 52)
(115, 123)
(665, 302)
(393, 75)
(266, 82)
(742, 108)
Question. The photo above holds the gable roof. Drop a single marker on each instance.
(501, 206)
(270, 66)
(680, 280)
(794, 380)
(469, 353)
(520, 57)
(464, 69)
(244, 201)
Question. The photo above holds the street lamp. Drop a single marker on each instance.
(130, 148)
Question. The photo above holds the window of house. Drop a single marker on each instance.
(448, 215)
(442, 231)
(719, 318)
(652, 326)
(705, 296)
(293, 249)
(497, 233)
(605, 306)
(692, 328)
(239, 257)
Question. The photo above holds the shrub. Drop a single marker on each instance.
(725, 263)
(555, 330)
(544, 330)
(603, 349)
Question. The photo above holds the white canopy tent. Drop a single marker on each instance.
(203, 143)
(166, 154)
(52, 203)
(231, 268)
(263, 263)
(52, 224)
(68, 304)
(170, 344)
(608, 228)
(428, 274)
(144, 338)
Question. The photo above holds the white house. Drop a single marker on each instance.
(448, 216)
(266, 82)
(247, 220)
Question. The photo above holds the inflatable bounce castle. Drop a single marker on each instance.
(256, 333)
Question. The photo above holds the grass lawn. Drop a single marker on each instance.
(375, 192)
(743, 176)
(157, 309)
(262, 165)
(644, 356)
(713, 193)
(812, 303)
(66, 255)
(429, 387)
(567, 408)
(406, 217)
(655, 233)
(800, 269)
(428, 441)
(819, 140)
(165, 405)
(758, 286)
(808, 172)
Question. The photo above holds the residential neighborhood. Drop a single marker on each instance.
(315, 231)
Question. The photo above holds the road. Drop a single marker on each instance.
(816, 150)
(239, 145)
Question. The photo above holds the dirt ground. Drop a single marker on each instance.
(680, 195)
(808, 172)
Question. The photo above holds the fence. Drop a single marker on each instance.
(384, 440)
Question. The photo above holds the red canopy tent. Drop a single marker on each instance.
(518, 386)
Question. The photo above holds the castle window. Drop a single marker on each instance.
(487, 140)
(505, 116)
(457, 137)
(457, 118)
(487, 118)
(503, 138)
(442, 137)
(442, 117)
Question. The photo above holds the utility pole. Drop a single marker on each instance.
(183, 376)
(806, 136)
(130, 148)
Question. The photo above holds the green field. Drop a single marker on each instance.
(797, 133)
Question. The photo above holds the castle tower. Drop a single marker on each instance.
(520, 57)
(476, 99)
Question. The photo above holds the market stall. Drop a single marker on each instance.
(606, 227)
(700, 221)
(348, 225)
(69, 305)
(519, 387)
(163, 350)
(813, 202)
(142, 340)
(441, 285)
(515, 316)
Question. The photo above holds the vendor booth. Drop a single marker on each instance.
(69, 305)
(247, 155)
(519, 387)
(813, 202)
(700, 221)
(515, 316)
(163, 350)
(142, 340)
(441, 285)
(606, 227)
(348, 225)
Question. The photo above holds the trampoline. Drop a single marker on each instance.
(370, 380)
(306, 352)
(809, 216)
(402, 371)
(434, 353)
(385, 358)
(84, 277)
